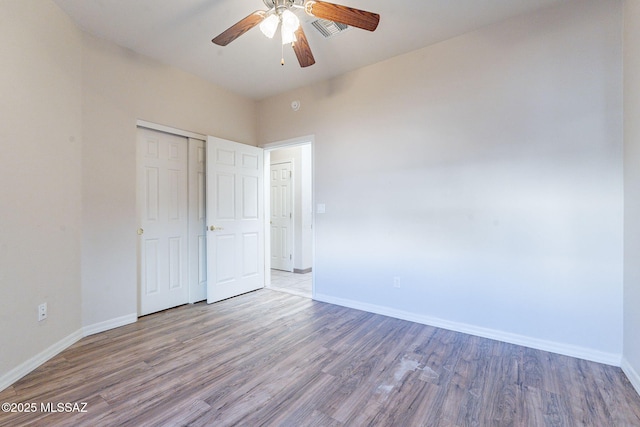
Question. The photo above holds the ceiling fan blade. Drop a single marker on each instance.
(343, 14)
(302, 49)
(239, 28)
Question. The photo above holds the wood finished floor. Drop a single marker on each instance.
(271, 358)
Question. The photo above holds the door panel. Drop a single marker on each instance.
(225, 197)
(175, 264)
(151, 189)
(250, 191)
(250, 254)
(151, 266)
(235, 237)
(163, 215)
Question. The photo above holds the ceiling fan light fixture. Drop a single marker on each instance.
(290, 23)
(269, 26)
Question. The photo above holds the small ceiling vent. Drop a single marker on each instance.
(329, 28)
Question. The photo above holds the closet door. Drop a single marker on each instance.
(162, 198)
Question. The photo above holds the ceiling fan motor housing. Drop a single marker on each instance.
(282, 3)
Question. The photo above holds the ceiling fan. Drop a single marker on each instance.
(282, 13)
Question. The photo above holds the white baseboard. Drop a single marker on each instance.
(550, 346)
(631, 373)
(24, 368)
(109, 324)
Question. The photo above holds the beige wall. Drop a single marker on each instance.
(632, 191)
(69, 108)
(485, 172)
(40, 178)
(120, 87)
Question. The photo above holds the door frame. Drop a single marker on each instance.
(193, 292)
(268, 148)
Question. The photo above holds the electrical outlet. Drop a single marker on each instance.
(396, 282)
(42, 312)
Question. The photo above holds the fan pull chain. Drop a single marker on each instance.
(282, 60)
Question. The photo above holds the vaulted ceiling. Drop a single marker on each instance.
(179, 33)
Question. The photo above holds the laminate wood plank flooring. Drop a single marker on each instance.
(270, 358)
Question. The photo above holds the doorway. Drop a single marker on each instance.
(289, 199)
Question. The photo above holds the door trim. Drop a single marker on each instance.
(169, 129)
(301, 140)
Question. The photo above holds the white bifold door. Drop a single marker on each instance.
(235, 219)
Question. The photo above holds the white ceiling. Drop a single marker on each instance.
(179, 33)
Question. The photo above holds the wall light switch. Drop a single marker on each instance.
(320, 208)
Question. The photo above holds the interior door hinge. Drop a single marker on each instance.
(290, 174)
(290, 215)
(290, 257)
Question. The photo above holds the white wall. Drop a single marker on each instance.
(485, 172)
(631, 363)
(300, 156)
(40, 178)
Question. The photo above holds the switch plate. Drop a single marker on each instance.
(321, 208)
(396, 282)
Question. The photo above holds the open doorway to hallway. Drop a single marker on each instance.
(289, 201)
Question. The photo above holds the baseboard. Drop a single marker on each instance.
(109, 324)
(31, 364)
(550, 346)
(631, 373)
(302, 271)
(24, 368)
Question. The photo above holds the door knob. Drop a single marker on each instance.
(214, 228)
(140, 231)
